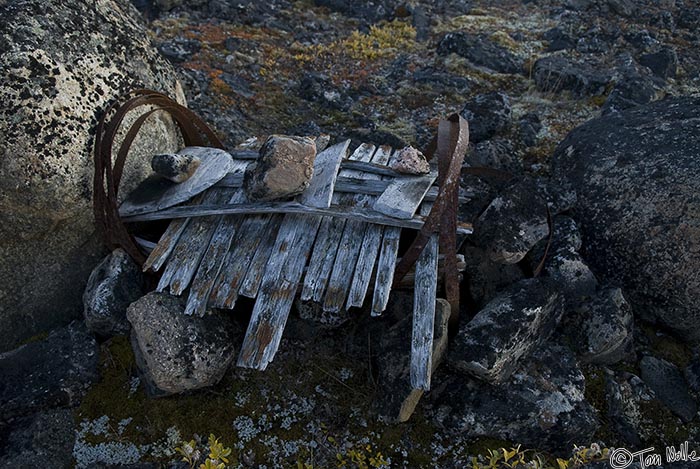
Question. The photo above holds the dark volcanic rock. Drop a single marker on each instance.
(637, 176)
(559, 39)
(606, 329)
(663, 63)
(318, 88)
(111, 288)
(43, 440)
(498, 153)
(62, 63)
(630, 91)
(176, 352)
(485, 277)
(624, 394)
(555, 73)
(513, 223)
(487, 114)
(480, 51)
(667, 382)
(50, 373)
(541, 405)
(507, 330)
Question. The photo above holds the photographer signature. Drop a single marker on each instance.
(621, 458)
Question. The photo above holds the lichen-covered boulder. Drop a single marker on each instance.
(637, 175)
(176, 352)
(114, 284)
(542, 404)
(61, 64)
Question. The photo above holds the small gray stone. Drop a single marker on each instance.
(488, 114)
(570, 271)
(513, 223)
(662, 63)
(175, 167)
(175, 352)
(542, 404)
(507, 330)
(555, 73)
(397, 399)
(667, 382)
(410, 161)
(607, 329)
(284, 169)
(624, 393)
(114, 284)
(53, 372)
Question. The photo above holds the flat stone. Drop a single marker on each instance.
(507, 330)
(54, 372)
(114, 284)
(176, 352)
(480, 51)
(667, 382)
(284, 168)
(555, 73)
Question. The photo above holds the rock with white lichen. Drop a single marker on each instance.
(541, 405)
(176, 352)
(175, 167)
(61, 64)
(111, 288)
(410, 161)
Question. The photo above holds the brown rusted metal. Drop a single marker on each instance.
(108, 173)
(450, 146)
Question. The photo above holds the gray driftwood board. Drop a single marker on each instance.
(329, 245)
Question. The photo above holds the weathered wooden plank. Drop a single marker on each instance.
(369, 246)
(321, 263)
(213, 259)
(353, 186)
(350, 241)
(251, 282)
(154, 194)
(424, 315)
(403, 196)
(326, 164)
(165, 245)
(248, 237)
(295, 239)
(385, 269)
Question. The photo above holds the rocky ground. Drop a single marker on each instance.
(600, 351)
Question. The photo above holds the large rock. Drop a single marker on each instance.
(666, 380)
(114, 284)
(43, 440)
(607, 328)
(50, 373)
(176, 352)
(542, 405)
(507, 330)
(61, 64)
(637, 176)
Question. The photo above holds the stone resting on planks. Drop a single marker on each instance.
(284, 169)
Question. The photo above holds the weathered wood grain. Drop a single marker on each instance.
(165, 245)
(215, 164)
(213, 259)
(350, 241)
(293, 246)
(424, 298)
(235, 267)
(369, 248)
(404, 195)
(251, 282)
(322, 258)
(326, 164)
(386, 265)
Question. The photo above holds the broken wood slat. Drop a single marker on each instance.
(321, 263)
(424, 315)
(403, 196)
(366, 215)
(186, 255)
(350, 241)
(320, 190)
(385, 269)
(165, 245)
(251, 282)
(158, 194)
(292, 248)
(212, 261)
(235, 266)
(370, 245)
